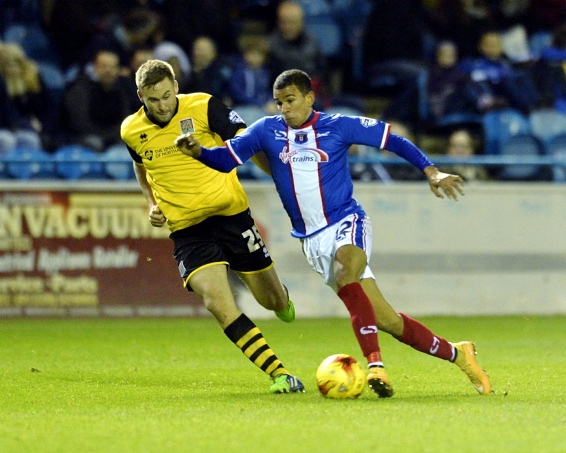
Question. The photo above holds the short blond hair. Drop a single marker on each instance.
(152, 72)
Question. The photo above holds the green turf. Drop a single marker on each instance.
(179, 385)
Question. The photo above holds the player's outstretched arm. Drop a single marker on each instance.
(189, 145)
(441, 182)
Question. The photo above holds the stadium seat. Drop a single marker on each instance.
(547, 123)
(448, 120)
(344, 110)
(352, 16)
(500, 125)
(521, 145)
(74, 162)
(118, 163)
(556, 147)
(33, 40)
(328, 33)
(539, 41)
(24, 164)
(53, 78)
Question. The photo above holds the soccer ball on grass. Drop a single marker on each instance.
(341, 376)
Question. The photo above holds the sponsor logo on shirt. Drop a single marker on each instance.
(235, 118)
(280, 135)
(299, 155)
(148, 154)
(143, 137)
(187, 126)
(367, 122)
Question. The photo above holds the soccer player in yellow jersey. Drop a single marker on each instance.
(206, 211)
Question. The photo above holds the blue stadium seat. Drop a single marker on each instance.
(33, 41)
(328, 33)
(118, 163)
(521, 145)
(539, 41)
(24, 164)
(556, 147)
(78, 162)
(344, 110)
(352, 16)
(450, 119)
(500, 125)
(53, 78)
(547, 123)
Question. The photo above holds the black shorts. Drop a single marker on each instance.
(233, 240)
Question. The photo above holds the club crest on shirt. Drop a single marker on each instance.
(367, 122)
(187, 125)
(301, 137)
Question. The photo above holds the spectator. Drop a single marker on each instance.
(72, 24)
(293, 47)
(393, 56)
(29, 95)
(188, 19)
(549, 71)
(445, 84)
(124, 35)
(172, 53)
(544, 15)
(139, 56)
(495, 83)
(462, 22)
(461, 145)
(250, 82)
(209, 72)
(15, 129)
(94, 105)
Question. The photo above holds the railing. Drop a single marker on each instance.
(558, 164)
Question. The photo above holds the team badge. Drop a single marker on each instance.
(367, 122)
(301, 137)
(187, 125)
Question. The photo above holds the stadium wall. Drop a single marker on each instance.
(87, 249)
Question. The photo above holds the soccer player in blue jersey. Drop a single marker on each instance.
(306, 152)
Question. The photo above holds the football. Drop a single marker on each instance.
(340, 376)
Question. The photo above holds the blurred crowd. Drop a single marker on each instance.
(67, 66)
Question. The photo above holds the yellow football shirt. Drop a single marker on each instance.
(186, 190)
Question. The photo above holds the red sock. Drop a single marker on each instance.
(419, 337)
(363, 320)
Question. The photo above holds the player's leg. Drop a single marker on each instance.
(415, 334)
(269, 292)
(211, 284)
(349, 263)
(249, 258)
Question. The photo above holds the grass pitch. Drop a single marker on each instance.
(179, 385)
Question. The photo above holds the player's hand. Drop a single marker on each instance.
(156, 218)
(188, 144)
(444, 183)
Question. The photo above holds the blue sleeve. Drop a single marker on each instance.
(218, 158)
(408, 151)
